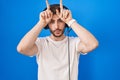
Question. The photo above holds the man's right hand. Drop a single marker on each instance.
(46, 16)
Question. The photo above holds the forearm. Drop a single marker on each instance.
(29, 39)
(84, 35)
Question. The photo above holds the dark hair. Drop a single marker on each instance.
(53, 8)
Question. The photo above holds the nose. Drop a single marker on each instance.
(56, 25)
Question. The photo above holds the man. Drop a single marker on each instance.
(52, 51)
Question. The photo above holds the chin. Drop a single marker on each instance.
(57, 35)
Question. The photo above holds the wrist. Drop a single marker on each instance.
(69, 23)
(42, 23)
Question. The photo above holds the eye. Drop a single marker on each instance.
(52, 21)
(59, 20)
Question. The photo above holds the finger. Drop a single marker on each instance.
(70, 13)
(45, 13)
(67, 13)
(42, 15)
(57, 12)
(47, 4)
(49, 13)
(61, 6)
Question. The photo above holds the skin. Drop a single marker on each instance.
(56, 24)
(57, 27)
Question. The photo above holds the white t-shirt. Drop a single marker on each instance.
(52, 58)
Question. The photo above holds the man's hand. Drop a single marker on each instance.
(65, 15)
(46, 16)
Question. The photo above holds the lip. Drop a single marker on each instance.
(57, 31)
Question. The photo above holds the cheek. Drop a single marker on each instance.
(51, 27)
(62, 25)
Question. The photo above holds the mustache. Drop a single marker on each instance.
(57, 30)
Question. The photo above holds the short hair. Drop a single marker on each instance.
(53, 8)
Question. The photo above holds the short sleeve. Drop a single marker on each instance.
(77, 40)
(38, 44)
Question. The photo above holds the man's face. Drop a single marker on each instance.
(56, 26)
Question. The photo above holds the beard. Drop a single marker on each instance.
(57, 32)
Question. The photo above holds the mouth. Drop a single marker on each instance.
(57, 31)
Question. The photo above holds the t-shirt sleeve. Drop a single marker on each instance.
(77, 40)
(38, 43)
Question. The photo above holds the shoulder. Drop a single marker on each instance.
(41, 38)
(74, 38)
(74, 41)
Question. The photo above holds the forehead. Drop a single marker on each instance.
(55, 17)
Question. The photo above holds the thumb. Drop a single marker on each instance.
(57, 12)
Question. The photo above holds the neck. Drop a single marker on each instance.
(57, 38)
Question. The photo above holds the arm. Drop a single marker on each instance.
(87, 41)
(27, 45)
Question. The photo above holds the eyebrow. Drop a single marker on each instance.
(52, 20)
(57, 20)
